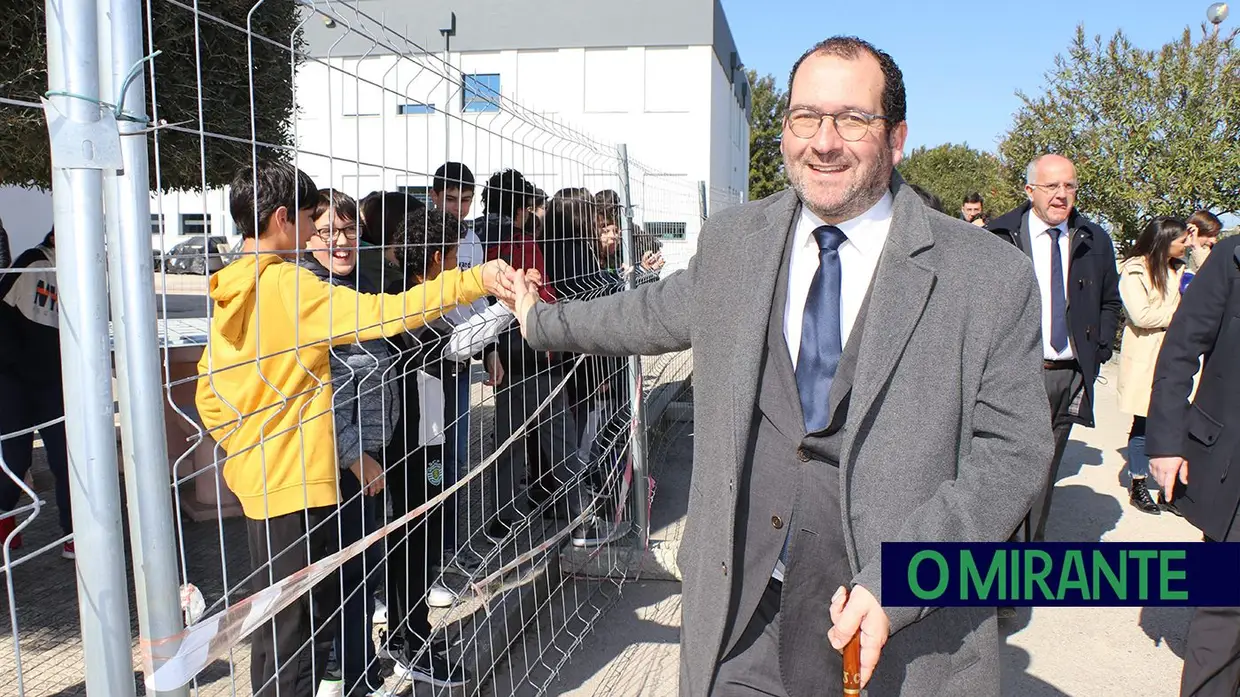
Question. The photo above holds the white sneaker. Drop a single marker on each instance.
(440, 596)
(330, 688)
(380, 616)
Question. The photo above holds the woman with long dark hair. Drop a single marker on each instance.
(1149, 284)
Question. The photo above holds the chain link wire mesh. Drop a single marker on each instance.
(377, 485)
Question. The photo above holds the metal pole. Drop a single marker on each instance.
(79, 145)
(136, 340)
(637, 431)
(702, 199)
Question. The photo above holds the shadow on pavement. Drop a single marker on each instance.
(1016, 680)
(1076, 455)
(1080, 514)
(1167, 625)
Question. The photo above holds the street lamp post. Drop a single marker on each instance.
(1216, 13)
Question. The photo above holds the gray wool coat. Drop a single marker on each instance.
(948, 434)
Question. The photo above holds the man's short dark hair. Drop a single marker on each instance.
(258, 192)
(339, 201)
(421, 234)
(895, 103)
(383, 212)
(507, 192)
(928, 198)
(453, 175)
(974, 198)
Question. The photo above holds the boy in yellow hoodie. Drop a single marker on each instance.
(265, 396)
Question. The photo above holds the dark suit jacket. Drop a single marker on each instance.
(1206, 432)
(948, 430)
(1093, 293)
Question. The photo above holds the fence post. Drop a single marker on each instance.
(83, 143)
(702, 208)
(637, 431)
(136, 340)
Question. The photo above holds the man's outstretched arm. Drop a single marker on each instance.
(650, 320)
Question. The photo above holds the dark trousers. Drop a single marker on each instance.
(552, 435)
(289, 654)
(1062, 386)
(22, 406)
(1212, 648)
(355, 649)
(751, 668)
(413, 549)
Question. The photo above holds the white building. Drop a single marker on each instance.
(378, 112)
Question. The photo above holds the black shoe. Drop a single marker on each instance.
(434, 668)
(1139, 496)
(1167, 506)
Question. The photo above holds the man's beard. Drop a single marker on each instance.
(859, 197)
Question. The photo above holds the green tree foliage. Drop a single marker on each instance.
(766, 163)
(217, 45)
(1152, 132)
(952, 172)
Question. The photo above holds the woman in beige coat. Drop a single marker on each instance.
(1149, 284)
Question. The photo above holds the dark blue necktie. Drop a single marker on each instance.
(1059, 303)
(821, 344)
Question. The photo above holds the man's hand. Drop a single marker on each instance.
(495, 370)
(862, 612)
(497, 278)
(369, 474)
(1166, 469)
(525, 287)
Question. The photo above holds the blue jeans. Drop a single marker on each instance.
(456, 451)
(1138, 462)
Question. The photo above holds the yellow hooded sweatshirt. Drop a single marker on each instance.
(264, 385)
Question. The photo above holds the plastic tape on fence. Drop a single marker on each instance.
(212, 638)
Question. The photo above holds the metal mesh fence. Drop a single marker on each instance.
(345, 470)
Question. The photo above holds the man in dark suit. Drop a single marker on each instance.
(1074, 261)
(861, 384)
(1206, 436)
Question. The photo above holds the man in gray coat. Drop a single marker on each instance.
(858, 380)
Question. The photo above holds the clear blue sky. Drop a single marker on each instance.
(963, 60)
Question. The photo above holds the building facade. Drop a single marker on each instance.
(546, 87)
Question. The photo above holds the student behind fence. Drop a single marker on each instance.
(265, 396)
(1149, 285)
(646, 247)
(380, 213)
(414, 464)
(365, 408)
(31, 391)
(452, 194)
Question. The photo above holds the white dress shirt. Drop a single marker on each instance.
(1040, 242)
(859, 256)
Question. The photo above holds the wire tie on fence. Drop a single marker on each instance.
(129, 78)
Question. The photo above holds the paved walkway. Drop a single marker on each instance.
(1047, 651)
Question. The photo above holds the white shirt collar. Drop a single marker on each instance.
(867, 232)
(1037, 226)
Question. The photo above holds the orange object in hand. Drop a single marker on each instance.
(852, 662)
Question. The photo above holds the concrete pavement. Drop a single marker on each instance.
(1047, 652)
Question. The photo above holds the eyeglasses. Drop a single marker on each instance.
(1068, 188)
(329, 234)
(851, 124)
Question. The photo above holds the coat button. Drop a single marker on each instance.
(777, 522)
(802, 455)
(725, 568)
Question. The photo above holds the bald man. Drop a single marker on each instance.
(1074, 261)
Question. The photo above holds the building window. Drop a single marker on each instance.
(667, 231)
(157, 223)
(195, 224)
(481, 93)
(414, 108)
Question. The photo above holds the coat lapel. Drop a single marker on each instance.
(899, 292)
(759, 251)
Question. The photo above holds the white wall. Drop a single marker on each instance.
(27, 216)
(672, 106)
